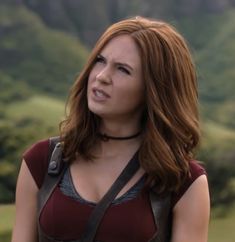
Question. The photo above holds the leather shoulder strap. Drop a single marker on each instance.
(161, 208)
(100, 209)
(56, 169)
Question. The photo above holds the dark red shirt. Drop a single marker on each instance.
(65, 218)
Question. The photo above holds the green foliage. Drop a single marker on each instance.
(211, 36)
(39, 109)
(23, 124)
(12, 91)
(218, 151)
(217, 135)
(44, 59)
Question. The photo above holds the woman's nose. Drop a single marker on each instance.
(104, 75)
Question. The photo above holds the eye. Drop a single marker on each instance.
(124, 70)
(99, 59)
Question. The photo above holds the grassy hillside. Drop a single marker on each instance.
(42, 108)
(36, 117)
(217, 135)
(221, 229)
(7, 213)
(23, 123)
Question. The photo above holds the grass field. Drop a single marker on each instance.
(6, 222)
(220, 230)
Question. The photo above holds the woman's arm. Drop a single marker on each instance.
(25, 228)
(191, 213)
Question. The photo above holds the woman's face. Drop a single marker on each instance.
(115, 84)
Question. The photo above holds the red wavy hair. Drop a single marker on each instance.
(170, 120)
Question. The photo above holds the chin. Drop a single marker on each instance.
(97, 111)
(97, 108)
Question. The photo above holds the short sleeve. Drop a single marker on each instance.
(36, 158)
(196, 170)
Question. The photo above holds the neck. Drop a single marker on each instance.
(119, 129)
(113, 147)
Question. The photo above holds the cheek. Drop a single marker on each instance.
(91, 79)
(131, 94)
(88, 86)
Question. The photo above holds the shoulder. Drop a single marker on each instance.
(37, 150)
(196, 170)
(191, 213)
(36, 158)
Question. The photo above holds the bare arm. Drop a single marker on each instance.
(25, 228)
(191, 213)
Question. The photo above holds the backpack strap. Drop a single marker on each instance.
(56, 169)
(161, 208)
(100, 209)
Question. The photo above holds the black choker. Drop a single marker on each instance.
(106, 137)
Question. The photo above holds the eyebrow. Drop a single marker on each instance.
(118, 63)
(124, 64)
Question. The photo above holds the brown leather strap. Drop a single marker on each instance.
(102, 206)
(56, 169)
(161, 206)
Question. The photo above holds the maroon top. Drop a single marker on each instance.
(64, 218)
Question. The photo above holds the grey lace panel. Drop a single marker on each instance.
(67, 188)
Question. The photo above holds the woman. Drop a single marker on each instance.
(135, 99)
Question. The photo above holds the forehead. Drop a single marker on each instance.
(122, 48)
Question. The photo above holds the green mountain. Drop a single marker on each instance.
(80, 17)
(212, 39)
(30, 52)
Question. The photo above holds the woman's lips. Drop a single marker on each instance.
(99, 94)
